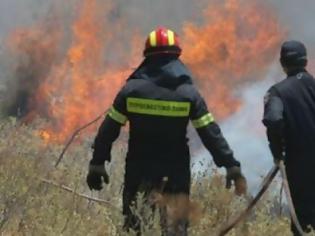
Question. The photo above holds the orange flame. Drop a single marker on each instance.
(235, 44)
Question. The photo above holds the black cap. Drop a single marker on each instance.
(293, 54)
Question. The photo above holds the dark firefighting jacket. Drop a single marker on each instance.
(159, 100)
(290, 120)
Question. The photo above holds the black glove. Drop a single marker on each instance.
(97, 174)
(235, 174)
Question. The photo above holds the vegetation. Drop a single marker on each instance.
(29, 206)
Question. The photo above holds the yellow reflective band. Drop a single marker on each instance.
(117, 116)
(153, 41)
(203, 121)
(171, 38)
(158, 107)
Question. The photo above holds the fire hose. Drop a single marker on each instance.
(266, 183)
(289, 198)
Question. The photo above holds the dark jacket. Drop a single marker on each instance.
(159, 100)
(290, 120)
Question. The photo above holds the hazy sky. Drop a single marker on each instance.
(297, 16)
(17, 12)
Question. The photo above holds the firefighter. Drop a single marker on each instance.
(289, 116)
(159, 100)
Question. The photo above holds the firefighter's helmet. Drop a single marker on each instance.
(162, 41)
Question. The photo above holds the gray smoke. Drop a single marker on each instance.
(246, 134)
(147, 15)
(15, 13)
(20, 74)
(243, 130)
(297, 17)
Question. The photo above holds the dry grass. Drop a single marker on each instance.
(30, 207)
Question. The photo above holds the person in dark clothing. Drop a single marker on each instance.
(159, 100)
(290, 120)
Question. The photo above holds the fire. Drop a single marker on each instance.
(45, 135)
(235, 44)
(78, 89)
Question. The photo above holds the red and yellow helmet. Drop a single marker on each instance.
(162, 41)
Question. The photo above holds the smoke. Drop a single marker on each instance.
(18, 14)
(297, 17)
(19, 77)
(243, 129)
(146, 15)
(246, 134)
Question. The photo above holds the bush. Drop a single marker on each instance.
(29, 206)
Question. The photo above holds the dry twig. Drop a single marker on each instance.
(70, 190)
(74, 135)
